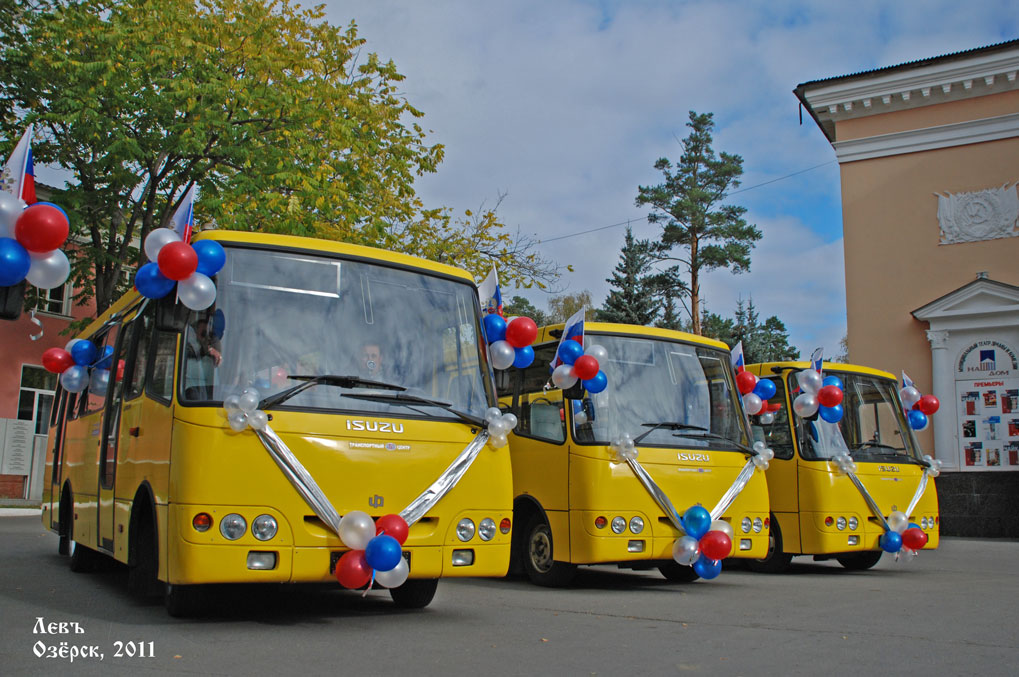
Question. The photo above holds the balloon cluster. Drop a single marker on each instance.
(933, 465)
(706, 542)
(822, 396)
(30, 241)
(242, 410)
(499, 426)
(509, 343)
(844, 463)
(376, 552)
(623, 448)
(763, 457)
(918, 407)
(80, 366)
(756, 392)
(903, 537)
(175, 262)
(580, 365)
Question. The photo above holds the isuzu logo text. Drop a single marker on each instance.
(695, 457)
(375, 426)
(888, 468)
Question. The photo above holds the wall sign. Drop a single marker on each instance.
(987, 404)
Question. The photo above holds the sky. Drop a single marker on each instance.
(564, 106)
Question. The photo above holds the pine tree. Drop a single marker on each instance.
(631, 300)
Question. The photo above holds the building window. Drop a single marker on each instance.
(36, 396)
(56, 300)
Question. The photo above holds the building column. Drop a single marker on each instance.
(946, 445)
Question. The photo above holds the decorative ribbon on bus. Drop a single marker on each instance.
(708, 538)
(900, 535)
(375, 553)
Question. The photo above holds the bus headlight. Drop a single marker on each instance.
(465, 529)
(618, 525)
(923, 522)
(264, 527)
(745, 525)
(232, 526)
(853, 523)
(636, 525)
(486, 529)
(758, 525)
(840, 523)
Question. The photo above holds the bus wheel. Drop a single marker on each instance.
(859, 561)
(183, 600)
(142, 577)
(777, 561)
(415, 593)
(539, 561)
(83, 560)
(64, 525)
(677, 573)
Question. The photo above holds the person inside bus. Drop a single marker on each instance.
(202, 353)
(370, 364)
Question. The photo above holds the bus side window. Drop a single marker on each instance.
(540, 413)
(161, 363)
(138, 358)
(777, 435)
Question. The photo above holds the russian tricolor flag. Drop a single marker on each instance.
(738, 363)
(573, 330)
(18, 176)
(816, 359)
(183, 220)
(490, 295)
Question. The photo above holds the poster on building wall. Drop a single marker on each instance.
(19, 437)
(987, 407)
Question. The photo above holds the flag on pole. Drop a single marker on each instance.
(816, 359)
(18, 177)
(183, 219)
(573, 330)
(736, 356)
(906, 381)
(489, 294)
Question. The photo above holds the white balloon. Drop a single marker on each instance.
(249, 399)
(258, 419)
(805, 404)
(502, 354)
(760, 446)
(752, 403)
(563, 376)
(356, 529)
(686, 550)
(238, 420)
(10, 209)
(898, 522)
(598, 352)
(99, 381)
(156, 239)
(48, 269)
(493, 414)
(810, 380)
(197, 291)
(510, 419)
(909, 396)
(722, 525)
(580, 418)
(767, 418)
(232, 404)
(498, 441)
(395, 577)
(498, 428)
(74, 379)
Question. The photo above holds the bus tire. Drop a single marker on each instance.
(64, 525)
(142, 576)
(860, 561)
(777, 561)
(538, 556)
(415, 593)
(183, 601)
(83, 560)
(677, 573)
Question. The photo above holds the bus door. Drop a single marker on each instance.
(108, 441)
(783, 475)
(57, 429)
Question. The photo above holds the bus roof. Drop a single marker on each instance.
(545, 333)
(773, 367)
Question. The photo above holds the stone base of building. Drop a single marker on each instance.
(12, 486)
(979, 504)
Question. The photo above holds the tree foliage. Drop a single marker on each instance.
(562, 307)
(708, 234)
(632, 296)
(520, 306)
(766, 341)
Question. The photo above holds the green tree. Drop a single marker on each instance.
(520, 306)
(632, 296)
(766, 341)
(562, 307)
(708, 234)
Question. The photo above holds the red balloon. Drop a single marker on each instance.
(352, 571)
(586, 367)
(177, 260)
(745, 382)
(914, 538)
(521, 332)
(929, 404)
(716, 545)
(57, 360)
(392, 525)
(41, 228)
(829, 396)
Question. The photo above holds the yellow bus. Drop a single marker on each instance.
(821, 510)
(374, 382)
(578, 500)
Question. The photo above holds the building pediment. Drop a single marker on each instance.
(981, 298)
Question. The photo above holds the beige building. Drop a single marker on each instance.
(929, 159)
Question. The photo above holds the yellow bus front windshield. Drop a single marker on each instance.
(283, 314)
(655, 381)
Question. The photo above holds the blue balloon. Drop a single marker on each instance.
(917, 419)
(383, 553)
(913, 525)
(151, 283)
(218, 324)
(569, 351)
(211, 256)
(84, 353)
(524, 357)
(833, 381)
(14, 262)
(707, 568)
(696, 521)
(495, 328)
(596, 383)
(107, 359)
(831, 414)
(890, 541)
(765, 389)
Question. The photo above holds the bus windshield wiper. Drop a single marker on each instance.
(409, 401)
(325, 379)
(707, 434)
(867, 445)
(671, 425)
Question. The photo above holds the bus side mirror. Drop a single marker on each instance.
(12, 300)
(170, 315)
(574, 392)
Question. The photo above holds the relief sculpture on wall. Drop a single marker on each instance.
(983, 215)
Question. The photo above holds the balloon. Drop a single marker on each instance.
(392, 525)
(696, 521)
(99, 381)
(745, 382)
(48, 270)
(598, 352)
(805, 404)
(257, 419)
(493, 414)
(84, 353)
(41, 228)
(833, 381)
(563, 376)
(765, 389)
(511, 419)
(177, 260)
(495, 328)
(10, 209)
(502, 354)
(752, 403)
(151, 283)
(831, 414)
(897, 521)
(57, 360)
(383, 553)
(767, 418)
(569, 351)
(498, 441)
(197, 291)
(155, 241)
(723, 526)
(356, 529)
(14, 262)
(238, 420)
(890, 541)
(929, 404)
(686, 550)
(521, 331)
(248, 401)
(106, 361)
(716, 545)
(211, 257)
(523, 357)
(596, 384)
(809, 380)
(74, 379)
(914, 538)
(352, 571)
(395, 577)
(909, 396)
(498, 428)
(829, 396)
(707, 568)
(917, 419)
(585, 367)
